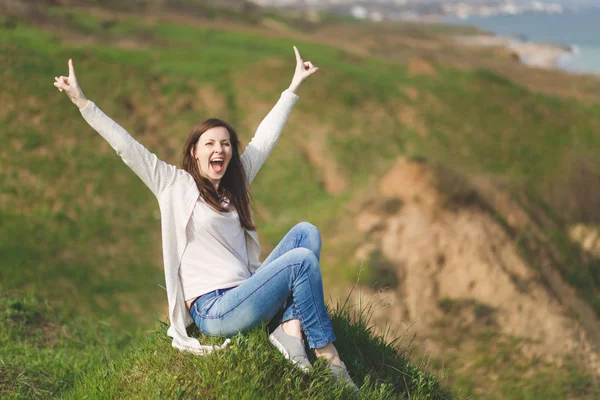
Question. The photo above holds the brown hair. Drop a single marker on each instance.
(233, 185)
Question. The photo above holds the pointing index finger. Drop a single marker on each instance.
(298, 58)
(71, 69)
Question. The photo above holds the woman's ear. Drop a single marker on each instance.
(192, 150)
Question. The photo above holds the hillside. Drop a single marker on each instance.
(465, 269)
(80, 232)
(44, 352)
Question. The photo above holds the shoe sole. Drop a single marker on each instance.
(283, 351)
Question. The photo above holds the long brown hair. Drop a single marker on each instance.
(233, 185)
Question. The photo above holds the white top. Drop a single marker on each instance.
(177, 194)
(215, 256)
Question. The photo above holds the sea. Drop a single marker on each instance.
(577, 29)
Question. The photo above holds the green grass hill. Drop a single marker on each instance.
(81, 298)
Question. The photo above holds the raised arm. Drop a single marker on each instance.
(156, 174)
(270, 128)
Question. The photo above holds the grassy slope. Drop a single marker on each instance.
(43, 349)
(46, 352)
(250, 369)
(78, 226)
(487, 365)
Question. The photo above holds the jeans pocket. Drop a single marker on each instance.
(202, 310)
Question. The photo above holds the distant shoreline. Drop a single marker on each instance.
(568, 41)
(533, 54)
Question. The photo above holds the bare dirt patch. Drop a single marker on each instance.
(587, 237)
(314, 147)
(211, 100)
(409, 116)
(451, 251)
(420, 66)
(411, 92)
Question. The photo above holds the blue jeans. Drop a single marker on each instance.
(289, 279)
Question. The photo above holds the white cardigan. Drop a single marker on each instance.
(177, 194)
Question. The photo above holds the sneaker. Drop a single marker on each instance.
(291, 347)
(340, 374)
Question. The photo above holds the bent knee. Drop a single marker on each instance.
(312, 234)
(309, 228)
(307, 257)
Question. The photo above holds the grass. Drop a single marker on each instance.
(43, 350)
(483, 363)
(80, 230)
(251, 368)
(499, 367)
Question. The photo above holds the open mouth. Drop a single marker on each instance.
(217, 164)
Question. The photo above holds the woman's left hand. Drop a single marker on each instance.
(304, 69)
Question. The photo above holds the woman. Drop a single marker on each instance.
(210, 247)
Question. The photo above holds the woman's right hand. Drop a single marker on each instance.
(70, 85)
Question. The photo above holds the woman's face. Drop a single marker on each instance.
(212, 153)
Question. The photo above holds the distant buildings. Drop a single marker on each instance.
(465, 9)
(379, 10)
